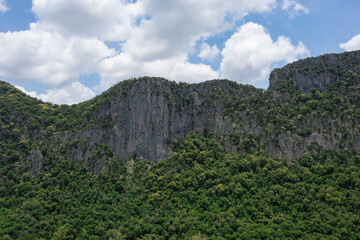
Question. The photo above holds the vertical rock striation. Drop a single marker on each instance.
(315, 73)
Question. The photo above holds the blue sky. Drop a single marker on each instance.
(67, 51)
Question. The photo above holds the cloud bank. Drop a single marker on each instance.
(154, 38)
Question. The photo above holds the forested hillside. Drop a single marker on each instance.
(199, 192)
(155, 159)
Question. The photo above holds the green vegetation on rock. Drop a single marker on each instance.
(200, 190)
(155, 159)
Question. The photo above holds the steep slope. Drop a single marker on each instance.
(318, 73)
(141, 116)
(239, 162)
(310, 106)
(200, 192)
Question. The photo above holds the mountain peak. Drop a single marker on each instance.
(315, 72)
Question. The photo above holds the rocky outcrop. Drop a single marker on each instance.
(141, 119)
(316, 72)
(35, 159)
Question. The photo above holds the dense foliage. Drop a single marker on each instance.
(275, 164)
(200, 192)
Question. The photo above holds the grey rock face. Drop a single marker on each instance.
(316, 72)
(144, 118)
(139, 118)
(35, 159)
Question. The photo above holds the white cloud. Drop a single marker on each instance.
(178, 68)
(72, 93)
(105, 19)
(208, 52)
(37, 55)
(352, 44)
(123, 66)
(174, 27)
(3, 7)
(250, 52)
(155, 38)
(158, 46)
(294, 8)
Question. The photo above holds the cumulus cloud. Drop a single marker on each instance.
(38, 55)
(106, 19)
(159, 44)
(3, 7)
(174, 27)
(124, 66)
(294, 8)
(352, 44)
(155, 39)
(208, 52)
(250, 52)
(71, 93)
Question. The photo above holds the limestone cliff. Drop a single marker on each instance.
(142, 116)
(316, 72)
(311, 105)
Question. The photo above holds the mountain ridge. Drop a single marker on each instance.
(315, 72)
(139, 118)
